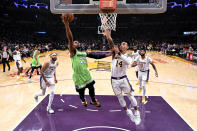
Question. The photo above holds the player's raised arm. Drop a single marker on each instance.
(109, 39)
(67, 18)
(96, 55)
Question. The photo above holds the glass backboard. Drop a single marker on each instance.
(123, 6)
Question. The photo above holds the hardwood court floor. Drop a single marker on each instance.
(177, 84)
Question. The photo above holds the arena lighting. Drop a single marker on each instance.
(38, 5)
(40, 32)
(177, 4)
(190, 33)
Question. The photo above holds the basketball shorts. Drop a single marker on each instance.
(121, 86)
(142, 75)
(43, 84)
(19, 65)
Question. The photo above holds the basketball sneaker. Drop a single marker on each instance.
(50, 110)
(140, 90)
(19, 78)
(137, 117)
(143, 99)
(84, 103)
(130, 114)
(97, 103)
(29, 80)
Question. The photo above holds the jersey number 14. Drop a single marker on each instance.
(119, 64)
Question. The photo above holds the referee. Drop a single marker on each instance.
(5, 59)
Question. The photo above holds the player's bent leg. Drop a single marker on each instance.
(144, 91)
(32, 70)
(132, 99)
(140, 88)
(51, 96)
(39, 94)
(92, 95)
(136, 112)
(121, 100)
(82, 96)
(144, 78)
(123, 104)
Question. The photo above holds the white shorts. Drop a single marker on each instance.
(121, 85)
(43, 84)
(142, 75)
(19, 64)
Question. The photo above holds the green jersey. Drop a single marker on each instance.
(81, 75)
(33, 61)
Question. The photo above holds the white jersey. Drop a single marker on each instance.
(120, 65)
(144, 63)
(134, 55)
(49, 72)
(17, 57)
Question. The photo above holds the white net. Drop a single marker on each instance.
(108, 21)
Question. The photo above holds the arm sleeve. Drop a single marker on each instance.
(96, 55)
(126, 59)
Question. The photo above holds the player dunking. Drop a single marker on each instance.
(143, 64)
(48, 71)
(17, 58)
(119, 80)
(81, 76)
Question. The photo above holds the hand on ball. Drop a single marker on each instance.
(67, 18)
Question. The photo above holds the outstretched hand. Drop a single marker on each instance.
(67, 18)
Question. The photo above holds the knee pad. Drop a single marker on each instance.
(121, 100)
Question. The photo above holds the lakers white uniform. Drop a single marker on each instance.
(49, 73)
(143, 65)
(17, 59)
(118, 71)
(134, 55)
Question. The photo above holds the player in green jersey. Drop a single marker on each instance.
(81, 76)
(35, 62)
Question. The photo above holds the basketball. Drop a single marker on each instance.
(68, 17)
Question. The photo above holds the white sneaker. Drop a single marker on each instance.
(50, 110)
(36, 98)
(29, 80)
(130, 114)
(137, 117)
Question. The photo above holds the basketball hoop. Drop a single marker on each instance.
(108, 18)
